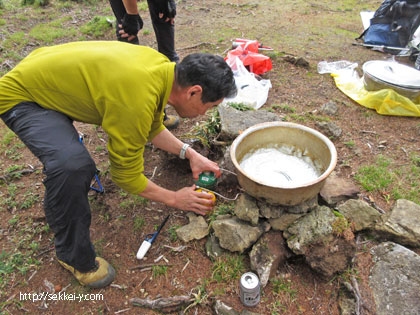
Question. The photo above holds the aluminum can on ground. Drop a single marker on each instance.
(249, 285)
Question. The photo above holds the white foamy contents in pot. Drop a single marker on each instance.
(280, 166)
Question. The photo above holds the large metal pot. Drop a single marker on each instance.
(318, 146)
(383, 74)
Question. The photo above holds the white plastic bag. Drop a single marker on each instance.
(333, 67)
(251, 91)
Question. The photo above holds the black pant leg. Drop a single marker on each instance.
(164, 32)
(69, 170)
(118, 8)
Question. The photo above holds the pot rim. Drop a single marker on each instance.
(265, 125)
(366, 71)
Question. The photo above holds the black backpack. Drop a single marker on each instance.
(393, 24)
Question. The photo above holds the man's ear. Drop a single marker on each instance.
(193, 90)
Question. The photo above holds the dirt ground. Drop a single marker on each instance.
(315, 31)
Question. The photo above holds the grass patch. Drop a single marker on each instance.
(159, 270)
(132, 201)
(397, 182)
(221, 209)
(285, 293)
(36, 3)
(21, 256)
(376, 177)
(350, 143)
(138, 223)
(49, 32)
(209, 130)
(228, 268)
(97, 27)
(172, 233)
(240, 106)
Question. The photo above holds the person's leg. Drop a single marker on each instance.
(165, 38)
(69, 170)
(118, 8)
(164, 32)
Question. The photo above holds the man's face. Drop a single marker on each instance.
(192, 106)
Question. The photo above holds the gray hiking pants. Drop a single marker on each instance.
(69, 169)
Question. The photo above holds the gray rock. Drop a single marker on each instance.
(309, 229)
(360, 213)
(329, 129)
(270, 211)
(196, 229)
(246, 209)
(283, 222)
(228, 177)
(267, 255)
(330, 108)
(234, 121)
(338, 189)
(402, 225)
(347, 301)
(395, 280)
(213, 249)
(315, 236)
(236, 235)
(221, 308)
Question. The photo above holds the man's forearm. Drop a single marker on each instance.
(166, 141)
(159, 194)
(131, 6)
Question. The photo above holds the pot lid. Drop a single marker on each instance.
(393, 73)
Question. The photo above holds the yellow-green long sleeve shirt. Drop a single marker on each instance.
(122, 87)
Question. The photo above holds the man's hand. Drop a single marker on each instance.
(200, 163)
(166, 9)
(186, 199)
(190, 200)
(132, 24)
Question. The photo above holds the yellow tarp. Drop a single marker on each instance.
(385, 102)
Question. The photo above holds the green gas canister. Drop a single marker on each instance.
(206, 180)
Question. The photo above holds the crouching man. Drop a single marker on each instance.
(98, 83)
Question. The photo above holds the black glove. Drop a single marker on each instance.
(167, 7)
(132, 23)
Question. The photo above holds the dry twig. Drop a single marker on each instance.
(169, 304)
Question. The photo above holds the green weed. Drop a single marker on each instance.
(22, 256)
(97, 27)
(8, 137)
(49, 32)
(240, 106)
(228, 268)
(221, 209)
(172, 233)
(375, 177)
(284, 108)
(99, 148)
(200, 296)
(392, 181)
(159, 270)
(285, 293)
(209, 130)
(142, 6)
(29, 199)
(36, 3)
(138, 223)
(133, 201)
(350, 143)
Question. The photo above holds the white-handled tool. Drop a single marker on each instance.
(150, 238)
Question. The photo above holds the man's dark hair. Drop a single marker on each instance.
(211, 72)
